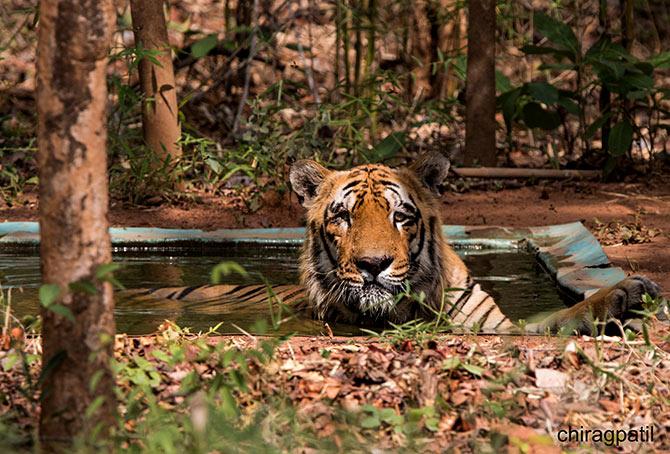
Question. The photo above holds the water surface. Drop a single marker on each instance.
(512, 277)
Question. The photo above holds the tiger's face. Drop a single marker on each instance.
(373, 231)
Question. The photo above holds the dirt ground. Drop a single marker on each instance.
(637, 213)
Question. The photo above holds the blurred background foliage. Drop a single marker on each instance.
(261, 83)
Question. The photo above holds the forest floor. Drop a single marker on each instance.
(469, 393)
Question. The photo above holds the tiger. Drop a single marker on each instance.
(374, 255)
(373, 232)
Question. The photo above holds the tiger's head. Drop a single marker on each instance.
(372, 232)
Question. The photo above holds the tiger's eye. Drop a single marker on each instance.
(340, 216)
(399, 217)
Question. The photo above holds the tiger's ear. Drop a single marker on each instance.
(432, 170)
(306, 176)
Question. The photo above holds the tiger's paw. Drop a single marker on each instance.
(625, 299)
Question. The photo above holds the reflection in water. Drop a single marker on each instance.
(513, 278)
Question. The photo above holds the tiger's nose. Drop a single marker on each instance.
(374, 265)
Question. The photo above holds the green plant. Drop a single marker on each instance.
(420, 330)
(604, 66)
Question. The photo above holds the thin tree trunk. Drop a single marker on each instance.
(73, 45)
(627, 38)
(372, 32)
(420, 48)
(605, 98)
(627, 25)
(369, 60)
(247, 67)
(406, 47)
(346, 27)
(338, 40)
(452, 40)
(226, 18)
(480, 94)
(358, 46)
(160, 116)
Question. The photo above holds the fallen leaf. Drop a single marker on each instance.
(550, 379)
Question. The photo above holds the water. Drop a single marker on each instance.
(512, 277)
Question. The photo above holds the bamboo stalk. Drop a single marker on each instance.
(358, 47)
(369, 59)
(338, 39)
(345, 39)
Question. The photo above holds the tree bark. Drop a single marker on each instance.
(73, 46)
(431, 34)
(605, 97)
(480, 92)
(160, 112)
(627, 25)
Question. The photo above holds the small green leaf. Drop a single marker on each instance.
(503, 83)
(9, 361)
(474, 370)
(370, 422)
(543, 92)
(83, 286)
(215, 165)
(596, 125)
(62, 311)
(638, 81)
(229, 405)
(202, 47)
(557, 32)
(390, 417)
(508, 104)
(646, 68)
(226, 269)
(95, 380)
(48, 294)
(621, 138)
(388, 147)
(451, 363)
(460, 64)
(661, 61)
(569, 104)
(94, 406)
(189, 383)
(160, 355)
(104, 270)
(432, 424)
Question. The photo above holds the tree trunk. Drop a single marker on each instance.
(605, 98)
(627, 24)
(431, 34)
(160, 117)
(73, 46)
(480, 94)
(420, 49)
